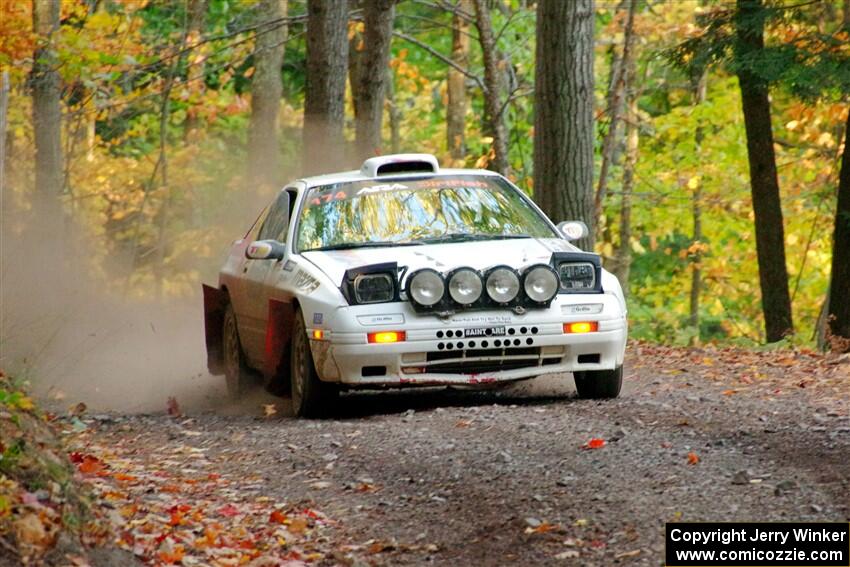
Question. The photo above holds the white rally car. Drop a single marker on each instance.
(405, 274)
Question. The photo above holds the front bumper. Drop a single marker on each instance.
(437, 351)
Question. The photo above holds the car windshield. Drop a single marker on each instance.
(411, 212)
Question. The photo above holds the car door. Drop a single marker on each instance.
(273, 289)
(255, 274)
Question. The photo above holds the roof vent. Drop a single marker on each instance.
(399, 163)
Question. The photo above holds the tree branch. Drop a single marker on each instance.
(442, 58)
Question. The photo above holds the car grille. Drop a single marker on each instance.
(488, 360)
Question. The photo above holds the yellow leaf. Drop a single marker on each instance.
(693, 182)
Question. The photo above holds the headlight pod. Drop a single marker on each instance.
(540, 283)
(502, 284)
(373, 283)
(577, 276)
(374, 288)
(465, 286)
(426, 287)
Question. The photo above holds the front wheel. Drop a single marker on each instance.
(599, 384)
(310, 396)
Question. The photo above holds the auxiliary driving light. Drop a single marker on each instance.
(384, 337)
(426, 287)
(502, 285)
(465, 286)
(581, 327)
(541, 283)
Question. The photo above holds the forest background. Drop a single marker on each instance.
(155, 130)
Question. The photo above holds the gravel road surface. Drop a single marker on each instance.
(507, 477)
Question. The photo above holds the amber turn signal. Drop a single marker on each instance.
(387, 337)
(318, 334)
(581, 327)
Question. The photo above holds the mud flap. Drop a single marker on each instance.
(215, 300)
(278, 334)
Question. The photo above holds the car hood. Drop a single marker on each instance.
(516, 253)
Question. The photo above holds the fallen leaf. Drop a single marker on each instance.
(91, 465)
(543, 528)
(228, 511)
(269, 410)
(693, 458)
(594, 444)
(298, 525)
(462, 423)
(277, 517)
(379, 547)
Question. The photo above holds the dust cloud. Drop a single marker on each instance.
(75, 341)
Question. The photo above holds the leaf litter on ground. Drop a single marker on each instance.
(170, 505)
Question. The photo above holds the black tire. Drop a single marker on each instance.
(599, 384)
(310, 396)
(237, 375)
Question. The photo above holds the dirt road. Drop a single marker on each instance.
(500, 478)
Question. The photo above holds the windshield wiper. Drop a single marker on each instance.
(352, 245)
(468, 237)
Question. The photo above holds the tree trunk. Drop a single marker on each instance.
(616, 96)
(196, 17)
(394, 114)
(266, 89)
(456, 84)
(623, 254)
(492, 97)
(369, 77)
(4, 107)
(839, 298)
(699, 89)
(47, 110)
(324, 104)
(563, 115)
(770, 236)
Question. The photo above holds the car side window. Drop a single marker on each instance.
(277, 221)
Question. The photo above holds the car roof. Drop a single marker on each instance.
(356, 175)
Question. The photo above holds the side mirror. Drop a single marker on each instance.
(573, 230)
(265, 250)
